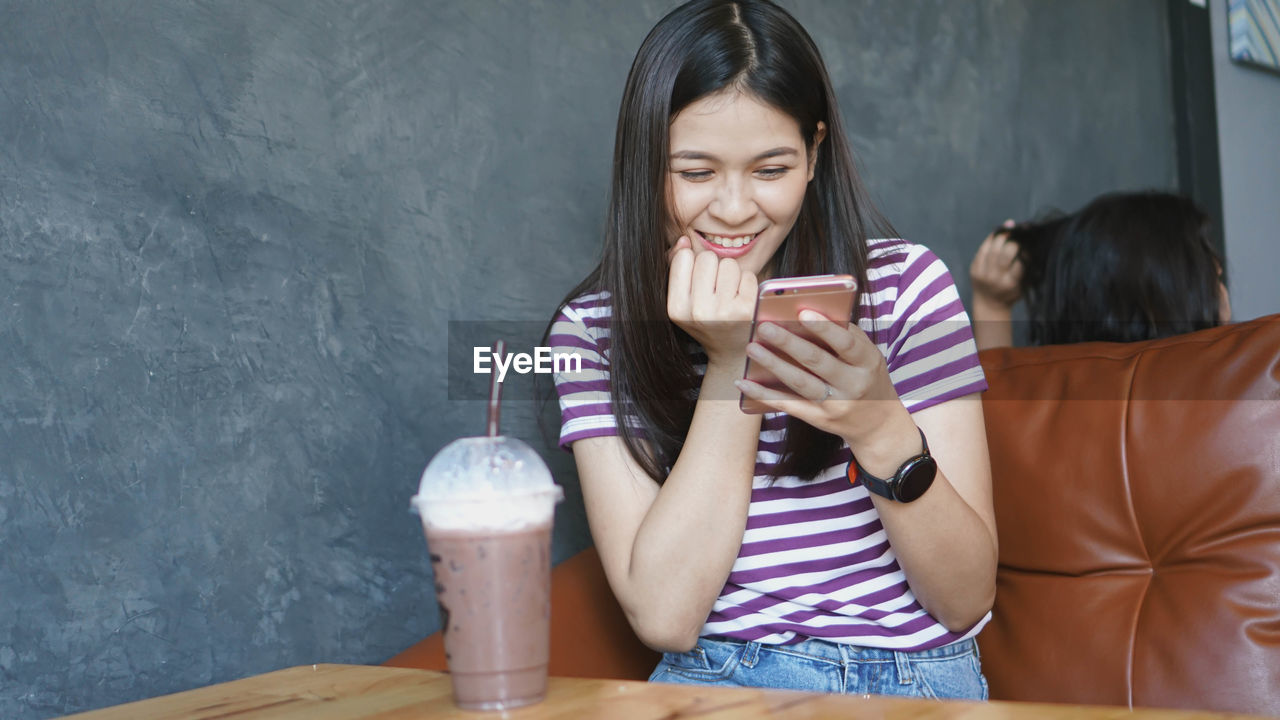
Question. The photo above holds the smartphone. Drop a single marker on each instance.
(780, 301)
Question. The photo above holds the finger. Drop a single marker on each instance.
(801, 380)
(702, 286)
(1013, 275)
(679, 280)
(681, 244)
(847, 341)
(982, 260)
(855, 355)
(1003, 253)
(748, 286)
(727, 276)
(745, 301)
(1008, 223)
(779, 401)
(1008, 253)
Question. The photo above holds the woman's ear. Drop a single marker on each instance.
(818, 136)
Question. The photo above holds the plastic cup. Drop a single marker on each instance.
(487, 506)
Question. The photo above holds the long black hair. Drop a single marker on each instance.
(1126, 267)
(699, 49)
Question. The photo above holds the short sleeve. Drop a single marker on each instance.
(929, 344)
(580, 335)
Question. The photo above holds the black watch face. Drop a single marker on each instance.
(917, 479)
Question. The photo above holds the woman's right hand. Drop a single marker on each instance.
(996, 272)
(668, 548)
(713, 300)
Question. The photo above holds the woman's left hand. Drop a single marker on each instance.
(845, 391)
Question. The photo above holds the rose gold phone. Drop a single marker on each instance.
(780, 301)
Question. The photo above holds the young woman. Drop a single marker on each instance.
(749, 548)
(1126, 267)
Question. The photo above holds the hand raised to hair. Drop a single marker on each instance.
(996, 272)
(712, 299)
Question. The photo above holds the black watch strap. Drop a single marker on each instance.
(872, 483)
(913, 477)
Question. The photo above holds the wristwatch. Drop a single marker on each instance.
(910, 482)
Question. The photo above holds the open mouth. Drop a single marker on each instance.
(728, 241)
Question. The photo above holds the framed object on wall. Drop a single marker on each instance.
(1255, 32)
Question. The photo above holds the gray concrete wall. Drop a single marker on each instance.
(1248, 102)
(233, 235)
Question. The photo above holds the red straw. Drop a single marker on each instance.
(495, 390)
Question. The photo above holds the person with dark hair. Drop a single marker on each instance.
(1126, 267)
(845, 541)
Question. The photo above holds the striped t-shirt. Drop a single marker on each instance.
(815, 561)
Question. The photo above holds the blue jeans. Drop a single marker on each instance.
(949, 672)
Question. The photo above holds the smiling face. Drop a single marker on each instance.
(738, 173)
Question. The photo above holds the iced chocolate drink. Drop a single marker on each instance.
(495, 609)
(487, 506)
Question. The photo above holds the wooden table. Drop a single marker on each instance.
(360, 692)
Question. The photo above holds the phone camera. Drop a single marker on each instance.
(778, 292)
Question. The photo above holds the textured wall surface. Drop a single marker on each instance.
(1248, 117)
(232, 236)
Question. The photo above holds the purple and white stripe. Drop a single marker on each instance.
(814, 560)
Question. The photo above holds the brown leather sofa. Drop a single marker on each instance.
(590, 636)
(1137, 496)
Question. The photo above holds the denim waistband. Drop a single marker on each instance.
(842, 653)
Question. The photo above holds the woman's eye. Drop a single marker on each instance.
(695, 175)
(772, 172)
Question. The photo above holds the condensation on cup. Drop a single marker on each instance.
(487, 505)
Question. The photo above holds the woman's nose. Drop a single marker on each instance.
(733, 204)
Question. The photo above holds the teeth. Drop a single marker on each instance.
(729, 242)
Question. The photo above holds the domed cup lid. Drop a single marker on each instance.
(486, 483)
